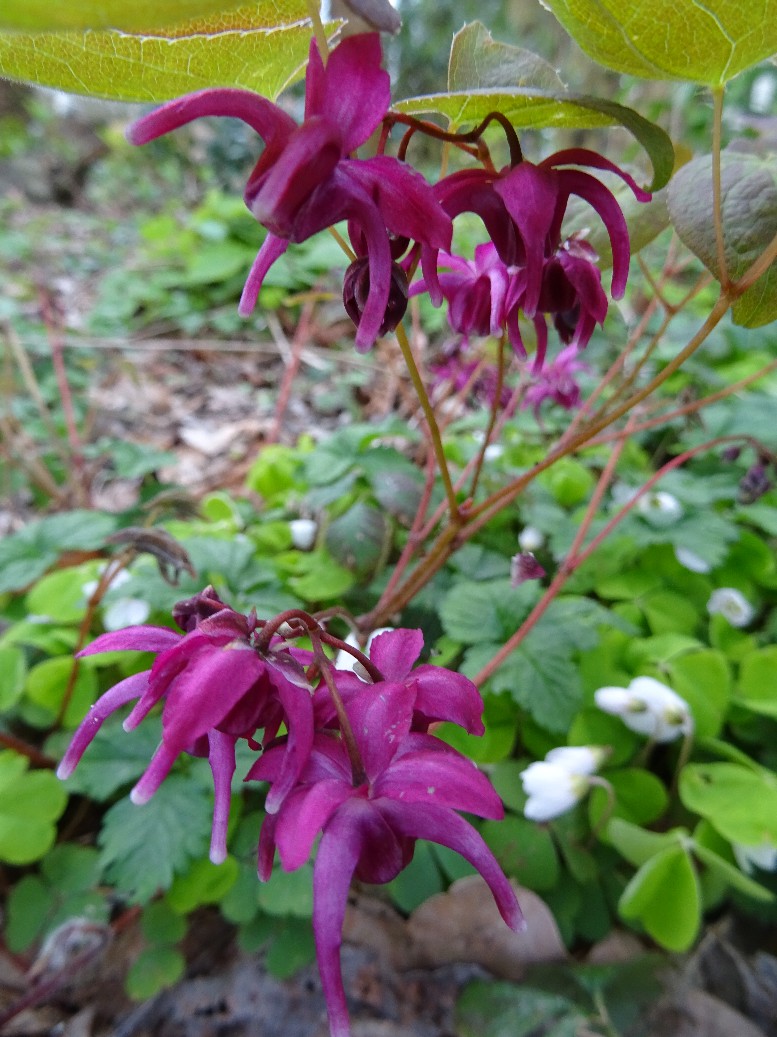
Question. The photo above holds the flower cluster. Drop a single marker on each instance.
(648, 707)
(555, 784)
(356, 762)
(308, 178)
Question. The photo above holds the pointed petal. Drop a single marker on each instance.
(305, 813)
(472, 190)
(395, 651)
(357, 92)
(269, 121)
(603, 202)
(202, 695)
(445, 778)
(156, 772)
(444, 695)
(406, 201)
(315, 82)
(530, 195)
(116, 697)
(266, 851)
(272, 249)
(349, 831)
(585, 157)
(381, 717)
(443, 826)
(310, 154)
(133, 639)
(298, 708)
(221, 758)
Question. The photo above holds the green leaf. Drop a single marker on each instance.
(732, 875)
(673, 39)
(288, 893)
(143, 848)
(739, 802)
(60, 594)
(320, 578)
(46, 686)
(124, 67)
(525, 850)
(501, 722)
(29, 903)
(161, 924)
(539, 109)
(757, 688)
(749, 211)
(636, 844)
(145, 15)
(703, 679)
(664, 896)
(472, 612)
(13, 673)
(203, 883)
(417, 882)
(153, 970)
(72, 869)
(359, 539)
(640, 797)
(26, 555)
(478, 62)
(30, 803)
(508, 1010)
(292, 948)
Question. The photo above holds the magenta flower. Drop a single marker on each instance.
(410, 787)
(306, 180)
(217, 688)
(438, 694)
(523, 208)
(557, 382)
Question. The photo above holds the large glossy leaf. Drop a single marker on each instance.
(749, 192)
(123, 67)
(705, 42)
(530, 108)
(144, 15)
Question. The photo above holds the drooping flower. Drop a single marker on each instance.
(523, 207)
(217, 689)
(306, 181)
(524, 566)
(555, 784)
(411, 786)
(648, 707)
(732, 605)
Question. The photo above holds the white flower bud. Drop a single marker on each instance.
(303, 533)
(531, 539)
(648, 707)
(690, 560)
(555, 784)
(659, 508)
(733, 605)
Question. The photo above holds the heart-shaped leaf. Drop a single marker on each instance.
(479, 62)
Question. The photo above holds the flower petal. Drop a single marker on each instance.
(395, 651)
(272, 249)
(585, 157)
(381, 717)
(116, 697)
(442, 825)
(443, 777)
(156, 772)
(445, 695)
(133, 639)
(298, 708)
(602, 200)
(304, 814)
(353, 92)
(269, 121)
(221, 757)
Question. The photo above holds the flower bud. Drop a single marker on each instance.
(732, 605)
(648, 707)
(555, 784)
(356, 289)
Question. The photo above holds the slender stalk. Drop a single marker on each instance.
(431, 421)
(314, 12)
(358, 773)
(565, 570)
(291, 368)
(500, 374)
(758, 269)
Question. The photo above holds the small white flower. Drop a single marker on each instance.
(345, 661)
(690, 560)
(733, 605)
(763, 856)
(556, 783)
(531, 539)
(303, 533)
(660, 508)
(648, 707)
(493, 452)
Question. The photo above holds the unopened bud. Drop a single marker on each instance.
(356, 290)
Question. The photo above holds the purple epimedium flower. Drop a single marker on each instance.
(557, 382)
(217, 688)
(306, 179)
(408, 785)
(523, 207)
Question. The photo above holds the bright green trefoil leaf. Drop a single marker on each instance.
(665, 897)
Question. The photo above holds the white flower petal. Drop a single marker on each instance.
(733, 605)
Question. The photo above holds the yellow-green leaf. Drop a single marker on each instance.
(539, 109)
(145, 15)
(477, 62)
(709, 42)
(148, 68)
